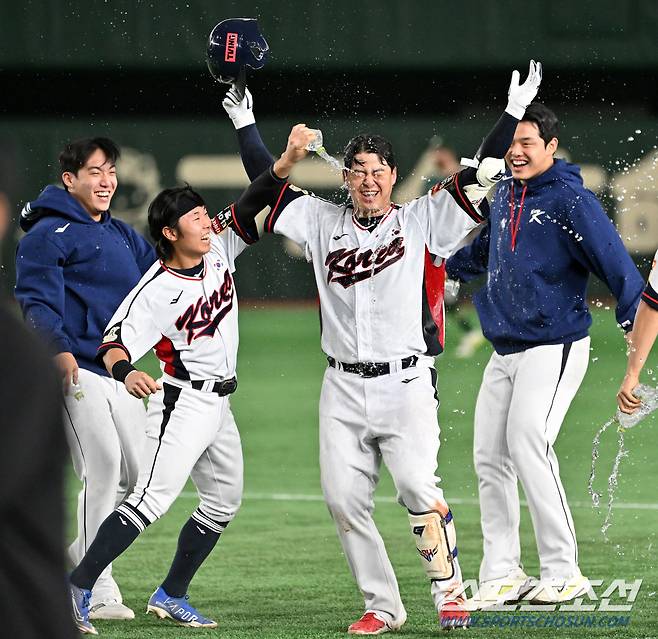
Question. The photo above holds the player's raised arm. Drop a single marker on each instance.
(265, 188)
(469, 187)
(255, 156)
(300, 137)
(489, 166)
(519, 97)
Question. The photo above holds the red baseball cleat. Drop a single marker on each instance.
(369, 624)
(453, 614)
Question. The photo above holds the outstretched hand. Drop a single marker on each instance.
(300, 137)
(239, 109)
(519, 96)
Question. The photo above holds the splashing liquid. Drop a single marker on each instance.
(317, 147)
(623, 421)
(613, 479)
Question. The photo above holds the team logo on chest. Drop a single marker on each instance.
(535, 215)
(348, 266)
(198, 321)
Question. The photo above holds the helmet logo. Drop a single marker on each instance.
(231, 50)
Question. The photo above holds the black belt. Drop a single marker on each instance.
(223, 387)
(371, 369)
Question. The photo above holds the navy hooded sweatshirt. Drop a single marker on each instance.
(542, 241)
(72, 272)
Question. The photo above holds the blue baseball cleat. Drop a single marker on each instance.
(80, 603)
(178, 610)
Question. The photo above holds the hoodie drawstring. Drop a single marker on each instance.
(515, 222)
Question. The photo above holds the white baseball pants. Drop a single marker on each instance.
(362, 421)
(190, 433)
(520, 407)
(105, 430)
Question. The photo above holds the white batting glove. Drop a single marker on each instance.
(240, 111)
(519, 96)
(489, 173)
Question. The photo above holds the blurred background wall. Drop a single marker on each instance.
(420, 72)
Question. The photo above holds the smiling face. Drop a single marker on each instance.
(529, 156)
(94, 184)
(370, 182)
(190, 238)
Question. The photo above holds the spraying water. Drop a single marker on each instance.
(317, 147)
(623, 421)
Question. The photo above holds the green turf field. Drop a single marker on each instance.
(278, 571)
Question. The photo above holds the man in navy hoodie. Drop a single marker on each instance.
(74, 266)
(546, 233)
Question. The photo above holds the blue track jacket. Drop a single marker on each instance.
(542, 241)
(72, 273)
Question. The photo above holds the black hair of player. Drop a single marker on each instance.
(545, 119)
(368, 143)
(75, 154)
(165, 210)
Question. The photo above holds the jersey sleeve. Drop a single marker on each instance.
(132, 327)
(256, 157)
(471, 260)
(295, 216)
(650, 294)
(445, 217)
(600, 249)
(241, 215)
(144, 252)
(40, 287)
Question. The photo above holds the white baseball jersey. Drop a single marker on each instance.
(650, 295)
(191, 322)
(381, 292)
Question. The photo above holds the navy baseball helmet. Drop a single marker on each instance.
(234, 44)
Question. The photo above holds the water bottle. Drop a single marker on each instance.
(316, 146)
(316, 143)
(649, 397)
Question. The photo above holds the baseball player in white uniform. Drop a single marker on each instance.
(645, 330)
(185, 308)
(379, 272)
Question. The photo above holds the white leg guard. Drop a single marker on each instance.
(436, 540)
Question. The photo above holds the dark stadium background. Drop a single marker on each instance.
(411, 70)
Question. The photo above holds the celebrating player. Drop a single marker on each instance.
(185, 307)
(73, 268)
(378, 270)
(545, 235)
(645, 330)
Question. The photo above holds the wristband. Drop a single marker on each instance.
(122, 369)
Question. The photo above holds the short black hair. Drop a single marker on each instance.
(545, 119)
(165, 210)
(369, 143)
(76, 153)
